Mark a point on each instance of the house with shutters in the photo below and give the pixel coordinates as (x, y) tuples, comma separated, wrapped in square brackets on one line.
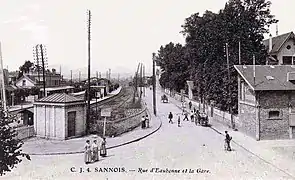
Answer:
[(281, 49), (266, 101)]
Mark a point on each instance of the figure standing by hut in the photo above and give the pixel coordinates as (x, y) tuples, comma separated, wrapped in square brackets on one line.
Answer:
[(103, 149), (147, 121), (95, 155), (87, 152)]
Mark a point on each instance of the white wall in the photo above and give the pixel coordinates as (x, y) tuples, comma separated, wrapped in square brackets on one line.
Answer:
[(286, 52), (49, 121), (29, 84)]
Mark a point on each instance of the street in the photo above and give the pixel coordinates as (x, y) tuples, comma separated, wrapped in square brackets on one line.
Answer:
[(186, 152)]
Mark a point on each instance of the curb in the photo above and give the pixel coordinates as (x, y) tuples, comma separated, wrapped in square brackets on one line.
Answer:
[(111, 147), (259, 157)]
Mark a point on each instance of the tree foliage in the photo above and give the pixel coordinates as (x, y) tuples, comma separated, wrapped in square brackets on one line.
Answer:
[(10, 147), (203, 58)]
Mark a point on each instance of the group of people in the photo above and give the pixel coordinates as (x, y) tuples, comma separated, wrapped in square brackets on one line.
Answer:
[(91, 152), (145, 122)]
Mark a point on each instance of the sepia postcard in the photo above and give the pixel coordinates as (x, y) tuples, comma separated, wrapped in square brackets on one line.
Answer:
[(147, 90)]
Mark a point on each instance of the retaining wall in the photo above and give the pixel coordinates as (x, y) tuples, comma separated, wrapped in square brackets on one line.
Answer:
[(120, 126)]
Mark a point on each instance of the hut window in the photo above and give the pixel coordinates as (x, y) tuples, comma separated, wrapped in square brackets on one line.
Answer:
[(273, 114)]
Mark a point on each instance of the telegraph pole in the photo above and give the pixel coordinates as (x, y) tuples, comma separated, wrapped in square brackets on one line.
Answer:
[(3, 97), (88, 94), (79, 76), (229, 89), (143, 80), (43, 68), (99, 74), (71, 77), (154, 85), (109, 74), (38, 66)]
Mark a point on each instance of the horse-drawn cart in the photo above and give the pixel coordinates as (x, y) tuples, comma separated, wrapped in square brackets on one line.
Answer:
[(164, 99)]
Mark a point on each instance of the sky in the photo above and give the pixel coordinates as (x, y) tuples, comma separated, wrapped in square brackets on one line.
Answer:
[(124, 32)]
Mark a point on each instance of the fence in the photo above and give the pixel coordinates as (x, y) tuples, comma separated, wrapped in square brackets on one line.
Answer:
[(216, 114), (24, 132)]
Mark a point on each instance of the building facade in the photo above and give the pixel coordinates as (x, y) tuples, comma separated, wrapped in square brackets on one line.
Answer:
[(281, 49), (267, 102), (30, 80)]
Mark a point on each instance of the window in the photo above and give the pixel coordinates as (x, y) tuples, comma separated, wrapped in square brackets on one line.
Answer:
[(288, 47), (24, 83), (287, 60), (273, 114)]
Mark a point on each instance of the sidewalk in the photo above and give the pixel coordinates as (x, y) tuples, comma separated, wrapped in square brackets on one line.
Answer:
[(278, 153), (39, 146)]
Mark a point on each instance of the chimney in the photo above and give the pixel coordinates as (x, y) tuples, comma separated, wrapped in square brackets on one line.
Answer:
[(53, 71), (270, 43)]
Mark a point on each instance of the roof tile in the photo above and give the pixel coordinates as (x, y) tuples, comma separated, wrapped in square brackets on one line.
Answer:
[(60, 98)]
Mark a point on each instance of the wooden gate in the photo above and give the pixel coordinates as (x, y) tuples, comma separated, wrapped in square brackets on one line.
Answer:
[(71, 123)]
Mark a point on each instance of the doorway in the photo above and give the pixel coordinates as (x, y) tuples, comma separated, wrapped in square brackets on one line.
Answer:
[(71, 123)]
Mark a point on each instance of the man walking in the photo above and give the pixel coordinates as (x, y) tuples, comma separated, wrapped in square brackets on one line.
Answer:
[(227, 140), (170, 117), (178, 120), (185, 116), (192, 116)]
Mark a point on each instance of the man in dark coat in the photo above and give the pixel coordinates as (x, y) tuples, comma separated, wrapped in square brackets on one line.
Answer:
[(170, 117), (227, 140)]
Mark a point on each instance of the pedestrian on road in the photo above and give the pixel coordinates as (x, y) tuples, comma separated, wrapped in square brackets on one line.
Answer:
[(195, 110), (183, 107), (87, 152), (95, 156), (178, 120), (192, 116), (190, 105), (147, 121), (143, 122), (185, 116), (170, 117), (228, 138), (103, 149)]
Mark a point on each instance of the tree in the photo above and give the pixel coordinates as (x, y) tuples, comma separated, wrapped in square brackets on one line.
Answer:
[(25, 68), (203, 59), (10, 147), (174, 66)]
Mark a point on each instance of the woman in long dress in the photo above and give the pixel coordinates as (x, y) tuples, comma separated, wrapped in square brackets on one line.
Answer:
[(103, 149), (95, 155), (87, 152)]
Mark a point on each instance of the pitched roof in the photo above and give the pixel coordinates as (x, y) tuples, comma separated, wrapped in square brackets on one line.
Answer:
[(267, 77), (277, 41), (27, 77), (60, 98)]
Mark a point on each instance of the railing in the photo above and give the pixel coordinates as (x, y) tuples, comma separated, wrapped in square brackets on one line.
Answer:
[(24, 132)]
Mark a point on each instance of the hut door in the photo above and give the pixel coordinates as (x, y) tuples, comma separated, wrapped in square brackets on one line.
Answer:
[(71, 123)]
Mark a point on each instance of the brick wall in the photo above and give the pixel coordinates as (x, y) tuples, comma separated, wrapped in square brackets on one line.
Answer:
[(25, 132), (277, 128)]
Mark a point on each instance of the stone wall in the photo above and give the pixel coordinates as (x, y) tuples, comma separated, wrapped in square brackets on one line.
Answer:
[(120, 126)]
